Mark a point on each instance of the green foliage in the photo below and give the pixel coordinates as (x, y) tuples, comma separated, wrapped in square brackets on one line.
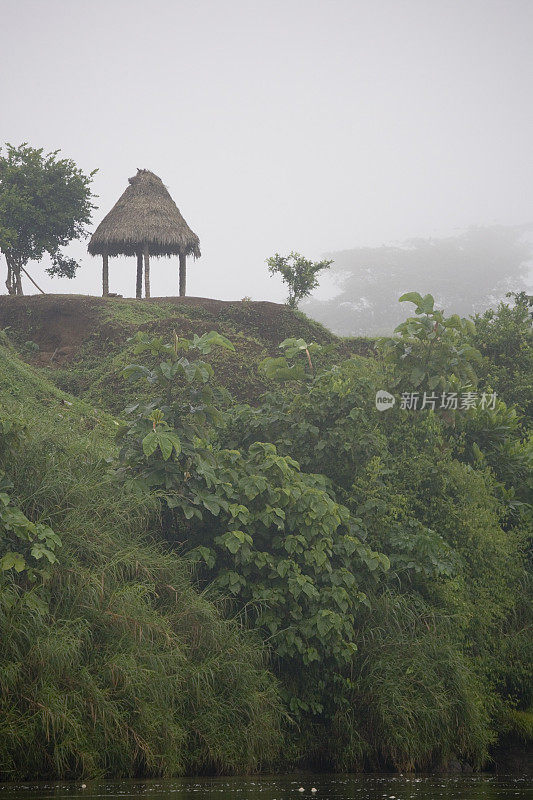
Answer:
[(431, 352), (381, 557), (36, 541), (171, 422), (446, 505), (497, 439), (505, 339), (299, 273), (305, 554), (415, 698), (273, 536), (25, 546), (281, 546), (45, 202), (281, 369)]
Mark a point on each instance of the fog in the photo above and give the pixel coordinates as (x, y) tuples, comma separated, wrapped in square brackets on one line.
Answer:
[(278, 126)]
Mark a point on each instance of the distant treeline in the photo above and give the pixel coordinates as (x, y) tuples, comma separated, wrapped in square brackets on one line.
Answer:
[(466, 273)]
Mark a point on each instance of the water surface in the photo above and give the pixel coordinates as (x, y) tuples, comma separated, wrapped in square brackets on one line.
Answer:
[(286, 787)]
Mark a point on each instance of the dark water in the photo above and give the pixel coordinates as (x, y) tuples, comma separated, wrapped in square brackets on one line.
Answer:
[(285, 787)]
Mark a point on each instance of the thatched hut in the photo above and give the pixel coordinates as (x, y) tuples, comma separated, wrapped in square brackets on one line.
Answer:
[(145, 221)]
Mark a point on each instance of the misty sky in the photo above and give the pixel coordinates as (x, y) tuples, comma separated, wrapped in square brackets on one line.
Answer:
[(278, 125)]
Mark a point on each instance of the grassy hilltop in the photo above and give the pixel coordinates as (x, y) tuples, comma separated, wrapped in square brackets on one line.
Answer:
[(82, 341)]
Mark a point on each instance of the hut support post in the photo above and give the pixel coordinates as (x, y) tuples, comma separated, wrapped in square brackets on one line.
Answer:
[(146, 271), (183, 274), (105, 275), (139, 285)]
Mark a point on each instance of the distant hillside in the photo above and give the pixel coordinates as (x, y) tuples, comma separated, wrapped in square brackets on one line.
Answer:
[(82, 342), (465, 273)]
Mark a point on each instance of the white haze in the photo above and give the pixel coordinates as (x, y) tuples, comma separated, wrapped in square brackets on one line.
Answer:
[(304, 125)]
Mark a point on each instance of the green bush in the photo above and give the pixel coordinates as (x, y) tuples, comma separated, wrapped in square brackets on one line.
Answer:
[(271, 536), (505, 338)]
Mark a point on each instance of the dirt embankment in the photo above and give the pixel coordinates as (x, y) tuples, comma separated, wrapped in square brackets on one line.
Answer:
[(53, 328)]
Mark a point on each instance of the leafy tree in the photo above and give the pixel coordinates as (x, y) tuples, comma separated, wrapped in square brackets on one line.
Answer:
[(45, 203), (299, 273)]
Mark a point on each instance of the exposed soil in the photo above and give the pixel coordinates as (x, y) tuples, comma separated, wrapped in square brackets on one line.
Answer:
[(53, 330), (82, 341), (59, 321), (51, 321)]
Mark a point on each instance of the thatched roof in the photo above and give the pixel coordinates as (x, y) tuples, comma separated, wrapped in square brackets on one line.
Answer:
[(144, 214)]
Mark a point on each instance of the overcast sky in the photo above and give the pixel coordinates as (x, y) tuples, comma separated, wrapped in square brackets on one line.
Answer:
[(278, 125)]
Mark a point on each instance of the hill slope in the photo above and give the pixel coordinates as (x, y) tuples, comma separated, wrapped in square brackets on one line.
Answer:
[(133, 671)]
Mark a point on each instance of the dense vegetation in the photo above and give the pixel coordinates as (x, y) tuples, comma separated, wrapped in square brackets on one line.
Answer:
[(291, 578)]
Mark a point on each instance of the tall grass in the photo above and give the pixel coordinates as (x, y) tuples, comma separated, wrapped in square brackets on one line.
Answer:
[(416, 700), (130, 671)]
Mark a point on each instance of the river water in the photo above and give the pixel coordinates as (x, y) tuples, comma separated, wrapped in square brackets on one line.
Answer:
[(286, 787)]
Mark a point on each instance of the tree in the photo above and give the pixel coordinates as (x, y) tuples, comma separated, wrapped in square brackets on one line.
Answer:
[(298, 273), (45, 203)]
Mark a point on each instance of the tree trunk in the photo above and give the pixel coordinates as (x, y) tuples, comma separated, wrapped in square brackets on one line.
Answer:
[(9, 280), (146, 271), (17, 279), (105, 275), (139, 284), (14, 280), (183, 274)]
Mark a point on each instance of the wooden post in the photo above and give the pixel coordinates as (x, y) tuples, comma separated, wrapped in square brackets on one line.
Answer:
[(27, 274), (105, 275), (146, 271), (139, 285), (183, 274)]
